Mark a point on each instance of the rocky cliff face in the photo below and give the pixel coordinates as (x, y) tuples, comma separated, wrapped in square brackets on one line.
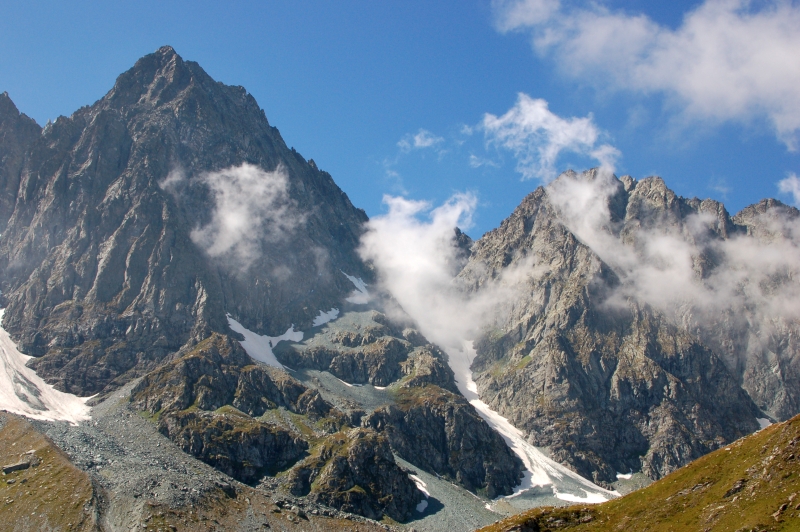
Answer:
[(17, 133), (440, 432), (119, 246), (366, 348), (428, 423), (611, 378), (356, 472)]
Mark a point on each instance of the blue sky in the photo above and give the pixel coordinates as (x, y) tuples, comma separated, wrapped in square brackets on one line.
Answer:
[(427, 99)]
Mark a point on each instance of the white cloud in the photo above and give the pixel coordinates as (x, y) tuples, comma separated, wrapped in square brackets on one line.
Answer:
[(791, 185), (422, 139), (728, 60), (250, 206), (417, 260), (538, 136), (511, 15), (414, 259), (752, 282), (477, 162)]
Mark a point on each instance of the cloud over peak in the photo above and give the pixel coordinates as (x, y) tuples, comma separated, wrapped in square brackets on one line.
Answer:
[(251, 206), (537, 136)]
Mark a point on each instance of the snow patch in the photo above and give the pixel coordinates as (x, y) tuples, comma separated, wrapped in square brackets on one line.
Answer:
[(325, 317), (23, 392), (421, 486), (259, 347), (591, 498), (348, 384), (763, 422), (624, 476), (540, 470), (359, 296)]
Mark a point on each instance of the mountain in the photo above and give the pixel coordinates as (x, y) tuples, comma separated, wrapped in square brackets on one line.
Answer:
[(752, 484), (134, 225), (649, 329), (164, 249), (168, 261)]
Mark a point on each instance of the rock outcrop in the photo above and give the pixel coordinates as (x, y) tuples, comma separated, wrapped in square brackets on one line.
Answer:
[(234, 443), (219, 406), (366, 348), (356, 472), (440, 432), (217, 372)]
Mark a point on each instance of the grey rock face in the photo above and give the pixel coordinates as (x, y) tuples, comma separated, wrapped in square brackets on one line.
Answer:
[(236, 445), (217, 372), (103, 264), (623, 386), (17, 133), (440, 432), (214, 403)]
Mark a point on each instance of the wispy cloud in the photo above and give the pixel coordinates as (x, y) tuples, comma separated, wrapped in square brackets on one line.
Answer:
[(477, 162), (720, 186), (791, 185), (420, 140), (728, 60), (537, 136), (251, 206)]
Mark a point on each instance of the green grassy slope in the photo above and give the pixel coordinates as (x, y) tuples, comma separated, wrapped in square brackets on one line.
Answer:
[(751, 485)]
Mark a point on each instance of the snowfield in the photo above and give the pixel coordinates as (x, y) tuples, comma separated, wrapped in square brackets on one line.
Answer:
[(360, 295), (23, 392)]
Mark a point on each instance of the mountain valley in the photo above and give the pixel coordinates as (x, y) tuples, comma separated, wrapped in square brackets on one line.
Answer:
[(218, 346)]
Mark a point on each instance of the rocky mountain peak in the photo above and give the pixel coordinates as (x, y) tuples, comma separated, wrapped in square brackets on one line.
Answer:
[(119, 211), (154, 78), (566, 349), (18, 132)]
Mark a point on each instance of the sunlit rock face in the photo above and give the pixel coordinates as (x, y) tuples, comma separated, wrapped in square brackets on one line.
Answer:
[(647, 329), (133, 226)]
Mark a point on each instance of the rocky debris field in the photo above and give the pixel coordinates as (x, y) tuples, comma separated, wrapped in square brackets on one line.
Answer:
[(144, 481)]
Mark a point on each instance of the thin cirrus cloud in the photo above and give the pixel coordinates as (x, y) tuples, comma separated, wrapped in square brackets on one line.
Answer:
[(729, 60), (537, 136), (422, 139)]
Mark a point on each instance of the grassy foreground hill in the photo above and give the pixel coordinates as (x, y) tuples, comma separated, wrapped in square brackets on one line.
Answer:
[(751, 485)]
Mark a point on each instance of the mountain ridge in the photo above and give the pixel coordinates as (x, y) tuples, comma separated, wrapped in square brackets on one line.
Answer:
[(564, 362)]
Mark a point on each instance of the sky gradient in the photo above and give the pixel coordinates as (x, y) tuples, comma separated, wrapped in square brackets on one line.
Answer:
[(429, 99)]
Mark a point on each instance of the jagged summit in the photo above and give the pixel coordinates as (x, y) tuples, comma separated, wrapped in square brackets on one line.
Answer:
[(646, 335), (117, 226)]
